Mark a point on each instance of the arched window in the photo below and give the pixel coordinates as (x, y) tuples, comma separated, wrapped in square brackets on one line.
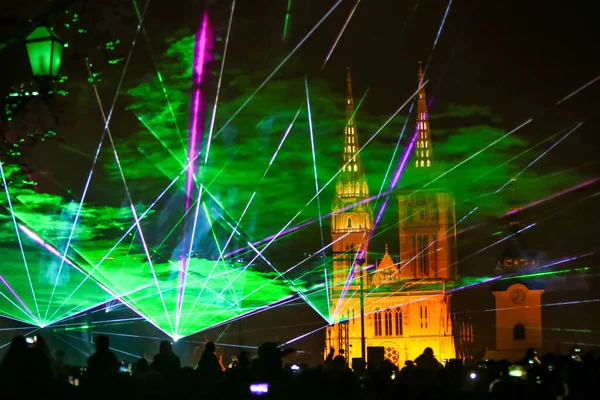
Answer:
[(377, 322), (398, 320), (355, 168), (519, 332), (349, 222), (427, 153), (424, 125), (425, 144), (428, 163), (387, 317), (422, 163), (348, 149), (418, 254), (425, 255), (417, 163)]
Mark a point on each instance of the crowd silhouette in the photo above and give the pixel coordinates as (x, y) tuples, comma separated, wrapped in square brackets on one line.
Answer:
[(29, 371)]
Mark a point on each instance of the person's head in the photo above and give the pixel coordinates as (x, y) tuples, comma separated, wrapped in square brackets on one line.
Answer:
[(141, 365), (531, 353), (102, 343), (428, 352), (209, 347), (244, 358), (18, 348), (165, 347)]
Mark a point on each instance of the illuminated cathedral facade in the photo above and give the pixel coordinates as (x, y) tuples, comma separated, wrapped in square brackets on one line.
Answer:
[(405, 304)]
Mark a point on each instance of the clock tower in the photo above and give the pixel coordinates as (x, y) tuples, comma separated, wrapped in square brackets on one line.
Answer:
[(518, 320), (518, 300)]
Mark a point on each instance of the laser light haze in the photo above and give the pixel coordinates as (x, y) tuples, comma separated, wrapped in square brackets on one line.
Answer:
[(202, 225)]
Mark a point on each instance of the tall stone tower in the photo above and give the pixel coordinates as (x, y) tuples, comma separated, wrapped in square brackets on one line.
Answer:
[(427, 217), (352, 218), (518, 302), (405, 303), (351, 225)]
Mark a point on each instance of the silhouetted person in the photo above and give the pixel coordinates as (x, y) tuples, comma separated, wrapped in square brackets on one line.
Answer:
[(103, 364), (427, 361), (40, 366), (339, 361), (209, 368), (244, 360), (269, 362), (167, 363), (14, 369), (61, 372), (329, 357)]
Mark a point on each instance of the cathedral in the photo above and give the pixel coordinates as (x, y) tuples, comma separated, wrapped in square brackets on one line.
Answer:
[(386, 309)]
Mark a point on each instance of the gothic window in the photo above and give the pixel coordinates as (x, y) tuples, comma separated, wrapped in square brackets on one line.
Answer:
[(349, 222), (519, 332), (425, 256), (421, 134), (435, 249), (427, 153), (398, 320), (353, 149), (422, 154), (387, 316), (424, 125), (348, 149), (425, 144), (377, 322), (417, 163), (355, 168), (423, 315), (422, 163), (428, 163), (419, 254)]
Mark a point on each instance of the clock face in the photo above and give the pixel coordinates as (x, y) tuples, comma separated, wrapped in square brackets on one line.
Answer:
[(518, 296)]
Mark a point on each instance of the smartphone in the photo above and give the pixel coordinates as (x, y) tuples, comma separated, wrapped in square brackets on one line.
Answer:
[(516, 371), (258, 389)]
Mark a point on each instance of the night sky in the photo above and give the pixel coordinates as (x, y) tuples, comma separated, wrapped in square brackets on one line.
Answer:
[(496, 65)]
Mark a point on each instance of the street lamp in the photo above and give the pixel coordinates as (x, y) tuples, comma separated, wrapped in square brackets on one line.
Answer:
[(45, 52)]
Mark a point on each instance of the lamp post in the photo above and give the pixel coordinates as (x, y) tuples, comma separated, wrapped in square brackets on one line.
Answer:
[(45, 51), (363, 341)]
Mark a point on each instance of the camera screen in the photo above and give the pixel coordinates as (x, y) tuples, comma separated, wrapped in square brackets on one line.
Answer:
[(259, 388)]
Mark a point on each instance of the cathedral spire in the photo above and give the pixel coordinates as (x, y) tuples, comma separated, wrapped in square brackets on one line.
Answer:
[(351, 146), (423, 148)]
